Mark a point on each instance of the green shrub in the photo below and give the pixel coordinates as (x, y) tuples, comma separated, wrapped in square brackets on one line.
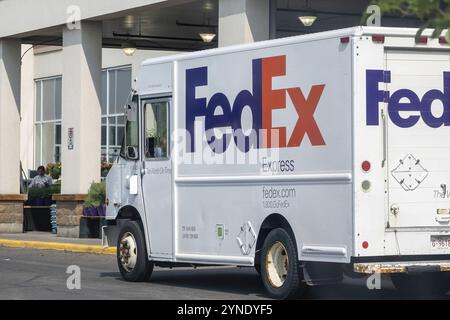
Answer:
[(54, 170), (96, 195), (35, 193)]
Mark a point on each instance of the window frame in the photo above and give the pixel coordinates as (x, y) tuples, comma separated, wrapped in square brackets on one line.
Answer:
[(145, 101), (40, 123), (123, 152), (107, 147)]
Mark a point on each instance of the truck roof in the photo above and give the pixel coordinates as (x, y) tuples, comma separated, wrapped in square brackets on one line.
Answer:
[(353, 31)]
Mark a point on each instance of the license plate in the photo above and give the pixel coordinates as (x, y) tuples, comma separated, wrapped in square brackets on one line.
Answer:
[(440, 242)]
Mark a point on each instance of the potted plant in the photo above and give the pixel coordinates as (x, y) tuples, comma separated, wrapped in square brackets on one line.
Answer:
[(43, 196), (54, 170), (90, 208), (35, 197), (95, 200)]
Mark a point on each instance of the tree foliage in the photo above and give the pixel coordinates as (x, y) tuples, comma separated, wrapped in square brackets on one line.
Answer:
[(435, 14)]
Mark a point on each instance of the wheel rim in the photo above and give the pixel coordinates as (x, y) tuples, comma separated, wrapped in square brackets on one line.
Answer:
[(128, 252), (277, 264)]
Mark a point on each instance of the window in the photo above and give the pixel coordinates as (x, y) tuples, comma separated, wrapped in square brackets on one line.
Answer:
[(130, 146), (116, 87), (48, 121), (156, 130)]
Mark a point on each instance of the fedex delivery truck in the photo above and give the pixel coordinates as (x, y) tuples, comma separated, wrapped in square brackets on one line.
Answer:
[(305, 157)]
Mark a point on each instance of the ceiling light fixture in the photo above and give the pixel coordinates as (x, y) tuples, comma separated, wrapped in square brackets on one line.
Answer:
[(207, 36), (210, 32), (208, 5), (308, 17), (129, 48), (307, 20)]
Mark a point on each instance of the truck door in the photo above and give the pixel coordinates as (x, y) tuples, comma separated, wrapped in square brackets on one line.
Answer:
[(157, 176), (418, 148)]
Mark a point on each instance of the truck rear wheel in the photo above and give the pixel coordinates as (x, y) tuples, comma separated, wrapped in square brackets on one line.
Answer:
[(132, 257), (280, 269), (422, 284)]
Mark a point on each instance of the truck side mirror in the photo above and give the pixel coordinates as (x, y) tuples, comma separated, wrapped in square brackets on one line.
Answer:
[(132, 153), (131, 108)]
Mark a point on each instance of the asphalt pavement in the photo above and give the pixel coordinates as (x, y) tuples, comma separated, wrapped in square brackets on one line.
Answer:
[(38, 274)]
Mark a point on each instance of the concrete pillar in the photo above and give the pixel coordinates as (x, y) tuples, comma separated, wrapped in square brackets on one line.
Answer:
[(243, 21), (11, 202), (10, 50), (27, 109), (81, 122), (81, 110)]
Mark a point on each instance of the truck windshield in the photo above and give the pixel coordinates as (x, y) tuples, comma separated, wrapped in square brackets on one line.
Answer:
[(130, 139)]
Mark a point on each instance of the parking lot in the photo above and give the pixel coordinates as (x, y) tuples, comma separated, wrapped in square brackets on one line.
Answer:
[(36, 274)]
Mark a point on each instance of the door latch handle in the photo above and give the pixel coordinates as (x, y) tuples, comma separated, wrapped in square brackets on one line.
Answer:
[(383, 119)]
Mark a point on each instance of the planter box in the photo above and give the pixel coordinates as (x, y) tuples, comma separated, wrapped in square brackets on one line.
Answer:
[(91, 227)]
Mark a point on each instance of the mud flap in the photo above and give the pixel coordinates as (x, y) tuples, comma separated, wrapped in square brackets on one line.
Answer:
[(322, 273), (110, 235)]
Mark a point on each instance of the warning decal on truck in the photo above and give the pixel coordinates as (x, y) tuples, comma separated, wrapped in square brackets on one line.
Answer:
[(409, 173)]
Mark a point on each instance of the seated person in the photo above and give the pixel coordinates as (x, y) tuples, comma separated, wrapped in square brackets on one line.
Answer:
[(41, 180), (154, 149), (161, 150)]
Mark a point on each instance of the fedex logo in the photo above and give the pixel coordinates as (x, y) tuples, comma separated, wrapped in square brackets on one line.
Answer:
[(405, 100), (262, 101)]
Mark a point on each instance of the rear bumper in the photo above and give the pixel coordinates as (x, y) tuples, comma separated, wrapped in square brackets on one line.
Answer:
[(402, 267)]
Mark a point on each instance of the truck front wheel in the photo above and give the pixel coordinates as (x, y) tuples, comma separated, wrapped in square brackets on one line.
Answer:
[(132, 257), (280, 269)]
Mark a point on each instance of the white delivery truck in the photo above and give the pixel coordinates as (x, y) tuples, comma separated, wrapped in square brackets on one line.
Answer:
[(305, 157)]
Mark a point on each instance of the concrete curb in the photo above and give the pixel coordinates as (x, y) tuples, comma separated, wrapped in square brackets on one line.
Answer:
[(68, 247)]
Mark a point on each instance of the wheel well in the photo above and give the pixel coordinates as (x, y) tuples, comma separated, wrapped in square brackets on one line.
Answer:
[(132, 214), (129, 213), (271, 222)]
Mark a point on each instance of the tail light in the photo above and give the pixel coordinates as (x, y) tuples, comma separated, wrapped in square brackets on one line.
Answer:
[(365, 166)]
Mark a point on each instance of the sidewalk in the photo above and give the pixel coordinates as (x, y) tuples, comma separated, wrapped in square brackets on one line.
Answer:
[(48, 241)]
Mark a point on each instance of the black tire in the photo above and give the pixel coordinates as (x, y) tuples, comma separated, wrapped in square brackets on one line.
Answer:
[(258, 268), (142, 268), (290, 284), (422, 285)]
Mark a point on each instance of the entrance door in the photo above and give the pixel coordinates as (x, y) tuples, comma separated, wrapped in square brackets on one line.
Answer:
[(157, 176), (419, 153)]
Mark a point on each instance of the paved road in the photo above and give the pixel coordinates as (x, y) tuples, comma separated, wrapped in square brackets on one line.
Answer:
[(34, 274)]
